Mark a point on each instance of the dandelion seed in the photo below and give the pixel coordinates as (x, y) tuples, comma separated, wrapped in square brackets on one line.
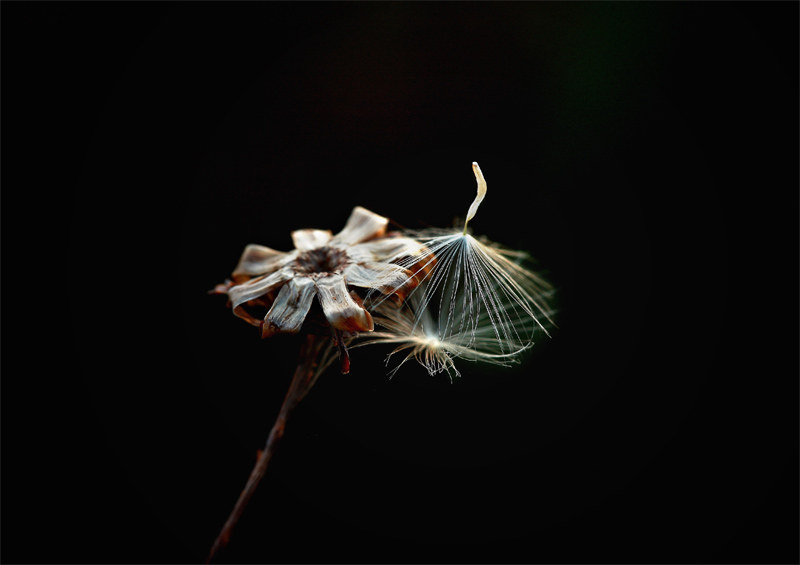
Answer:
[(478, 299), (412, 329)]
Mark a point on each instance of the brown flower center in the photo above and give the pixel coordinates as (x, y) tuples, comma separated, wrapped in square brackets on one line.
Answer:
[(321, 261)]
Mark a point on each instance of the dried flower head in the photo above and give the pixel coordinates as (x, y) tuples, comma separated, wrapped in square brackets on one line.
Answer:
[(324, 266)]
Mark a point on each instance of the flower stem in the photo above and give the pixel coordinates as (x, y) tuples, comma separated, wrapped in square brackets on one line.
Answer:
[(302, 380)]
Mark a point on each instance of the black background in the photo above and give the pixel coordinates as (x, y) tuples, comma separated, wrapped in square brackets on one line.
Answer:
[(647, 156)]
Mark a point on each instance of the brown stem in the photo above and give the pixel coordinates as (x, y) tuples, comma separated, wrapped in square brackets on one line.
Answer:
[(344, 357), (309, 355)]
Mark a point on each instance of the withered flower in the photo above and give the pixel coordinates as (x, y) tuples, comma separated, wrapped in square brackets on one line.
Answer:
[(330, 267), (468, 299), (325, 266)]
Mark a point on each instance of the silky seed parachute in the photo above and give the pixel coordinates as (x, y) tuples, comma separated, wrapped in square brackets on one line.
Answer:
[(435, 296), (472, 299)]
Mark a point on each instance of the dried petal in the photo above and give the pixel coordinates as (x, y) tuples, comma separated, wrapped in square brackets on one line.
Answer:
[(305, 240), (290, 307), (386, 249), (361, 226), (384, 277), (342, 312), (254, 288), (260, 260)]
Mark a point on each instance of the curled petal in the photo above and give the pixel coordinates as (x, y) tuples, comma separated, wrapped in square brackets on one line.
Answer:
[(260, 260), (384, 277), (290, 307), (386, 249), (361, 226), (305, 240), (342, 312), (255, 288)]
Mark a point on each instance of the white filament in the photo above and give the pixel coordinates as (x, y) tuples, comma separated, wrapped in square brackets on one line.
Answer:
[(475, 303), (475, 300)]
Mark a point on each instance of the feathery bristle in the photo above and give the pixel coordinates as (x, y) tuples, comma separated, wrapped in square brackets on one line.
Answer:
[(475, 300)]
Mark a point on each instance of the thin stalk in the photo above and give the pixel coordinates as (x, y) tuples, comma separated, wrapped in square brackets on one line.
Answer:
[(479, 198), (301, 381)]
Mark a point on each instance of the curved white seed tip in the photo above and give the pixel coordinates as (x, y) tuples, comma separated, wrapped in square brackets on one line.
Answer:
[(481, 194)]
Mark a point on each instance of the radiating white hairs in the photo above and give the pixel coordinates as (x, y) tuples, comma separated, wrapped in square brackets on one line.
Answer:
[(475, 300)]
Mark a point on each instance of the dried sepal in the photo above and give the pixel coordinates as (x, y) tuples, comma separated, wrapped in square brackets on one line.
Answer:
[(290, 307), (259, 260), (386, 278), (362, 225), (340, 309), (305, 240), (241, 294), (385, 249)]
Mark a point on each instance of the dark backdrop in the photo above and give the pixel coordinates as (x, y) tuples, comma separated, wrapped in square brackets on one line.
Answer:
[(646, 154)]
